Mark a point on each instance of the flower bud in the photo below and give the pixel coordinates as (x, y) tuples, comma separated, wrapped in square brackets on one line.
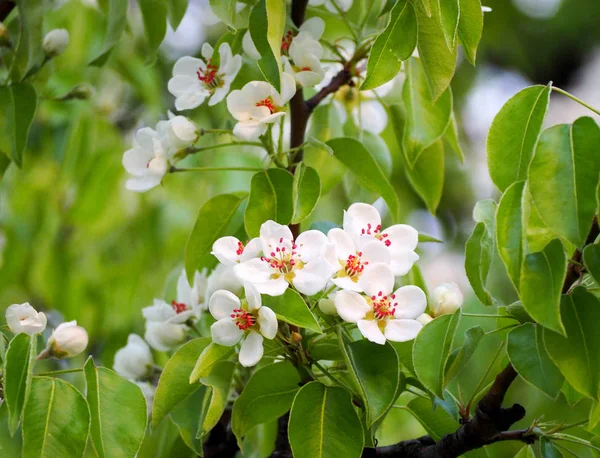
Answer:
[(164, 336), (424, 319), (67, 340), (55, 42), (327, 306), (182, 132), (24, 318), (446, 298), (133, 361)]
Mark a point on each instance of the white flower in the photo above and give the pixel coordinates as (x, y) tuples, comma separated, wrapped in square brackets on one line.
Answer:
[(301, 57), (284, 261), (249, 47), (191, 297), (371, 116), (424, 319), (178, 131), (383, 314), (446, 298), (343, 5), (133, 361), (246, 319), (23, 318), (148, 160), (195, 79), (148, 390), (363, 223), (223, 277), (258, 104), (230, 251), (165, 328), (67, 340), (55, 42)]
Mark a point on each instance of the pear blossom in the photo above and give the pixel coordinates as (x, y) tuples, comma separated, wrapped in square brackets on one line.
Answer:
[(446, 298), (246, 320), (327, 305), (67, 340), (133, 361), (258, 104), (286, 261), (55, 42), (191, 297), (165, 328), (23, 318), (147, 161), (178, 131), (223, 277), (383, 314), (230, 251), (363, 223), (194, 80), (343, 5)]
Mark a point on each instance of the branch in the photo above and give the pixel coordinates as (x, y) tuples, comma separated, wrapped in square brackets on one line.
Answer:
[(5, 8), (342, 78), (574, 271)]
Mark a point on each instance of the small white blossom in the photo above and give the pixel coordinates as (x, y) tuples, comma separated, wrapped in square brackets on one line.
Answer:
[(247, 320), (55, 42), (23, 318), (67, 340), (382, 314), (223, 277), (327, 305), (191, 297), (302, 53), (285, 261), (257, 105), (133, 361), (230, 251), (446, 298), (194, 80), (165, 328)]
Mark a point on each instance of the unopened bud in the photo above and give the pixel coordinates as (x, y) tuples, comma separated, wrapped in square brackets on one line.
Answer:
[(296, 337), (424, 319), (327, 306), (67, 340), (55, 42), (446, 298)]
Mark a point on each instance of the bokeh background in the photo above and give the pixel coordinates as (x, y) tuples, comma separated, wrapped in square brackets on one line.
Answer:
[(75, 243)]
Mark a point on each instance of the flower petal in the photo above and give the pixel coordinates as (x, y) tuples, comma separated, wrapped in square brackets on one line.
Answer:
[(374, 252), (187, 65), (402, 330), (347, 283), (273, 287), (273, 235), (252, 249), (254, 271), (351, 306), (358, 217), (225, 248), (249, 47), (249, 130), (313, 277), (268, 322), (190, 100), (315, 26), (371, 116), (226, 332), (181, 84), (252, 297), (184, 291), (377, 278), (411, 302), (344, 246), (142, 184), (402, 237), (402, 261), (310, 245), (252, 350), (370, 329), (222, 303)]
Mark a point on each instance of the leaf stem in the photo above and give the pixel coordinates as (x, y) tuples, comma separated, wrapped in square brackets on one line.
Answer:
[(576, 99), (62, 371)]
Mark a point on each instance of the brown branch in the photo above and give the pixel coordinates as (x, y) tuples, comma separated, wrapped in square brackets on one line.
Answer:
[(5, 9), (574, 271), (342, 78)]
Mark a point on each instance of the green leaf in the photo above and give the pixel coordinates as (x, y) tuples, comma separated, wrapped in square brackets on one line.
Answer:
[(436, 422), (188, 416), (219, 383), (514, 134), (29, 47), (578, 355), (270, 199), (451, 137), (291, 308), (260, 441), (591, 259), (118, 412), (225, 10), (56, 420), (18, 370), (219, 216), (154, 15), (479, 250), (376, 370), (267, 23), (365, 168), (176, 10), (115, 25), (432, 349), (541, 282), (563, 177), (461, 356), (268, 394), (404, 351), (548, 449), (426, 120), (208, 359), (18, 103), (4, 164), (510, 231), (392, 46), (449, 18), (324, 424), (525, 452), (305, 192), (9, 445), (528, 355), (425, 238), (427, 175), (174, 383), (470, 27)]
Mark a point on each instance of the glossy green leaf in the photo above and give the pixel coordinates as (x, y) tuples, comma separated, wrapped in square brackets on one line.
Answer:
[(9, 445), (306, 191), (479, 250), (176, 10), (56, 420), (18, 370), (324, 424), (591, 259), (426, 120), (219, 216), (578, 355), (404, 351), (154, 15), (451, 138), (219, 383), (114, 435), (392, 46), (525, 452), (432, 349), (427, 175), (320, 157), (528, 355), (268, 394), (260, 441), (461, 356), (470, 27), (209, 358), (174, 383), (267, 22), (563, 177), (449, 18), (365, 168), (270, 199), (291, 308), (18, 103), (4, 164), (549, 450), (188, 415), (436, 422), (542, 278), (115, 26), (510, 231), (29, 47), (509, 156), (225, 10)]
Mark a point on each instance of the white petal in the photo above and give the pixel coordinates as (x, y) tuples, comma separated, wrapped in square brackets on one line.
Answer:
[(225, 248), (411, 302), (347, 283), (164, 336), (249, 130), (273, 235), (315, 26), (254, 271), (190, 100), (269, 118), (402, 330), (358, 217), (184, 130), (252, 350), (374, 252), (252, 296), (308, 78), (207, 50), (377, 278), (141, 184), (288, 88), (310, 245), (313, 277), (136, 161), (181, 84), (402, 237), (222, 303), (371, 116), (370, 329), (184, 291), (252, 249), (239, 105), (268, 322), (273, 287), (249, 47), (351, 306), (225, 332), (344, 246), (188, 66), (402, 261), (218, 95)]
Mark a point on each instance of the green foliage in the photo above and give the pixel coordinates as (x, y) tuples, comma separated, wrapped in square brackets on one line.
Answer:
[(224, 10), (28, 52), (460, 357), (154, 14), (210, 356), (268, 16), (291, 308), (470, 27), (18, 370), (176, 10), (306, 192), (591, 258), (427, 175), (510, 231), (19, 103), (115, 25)]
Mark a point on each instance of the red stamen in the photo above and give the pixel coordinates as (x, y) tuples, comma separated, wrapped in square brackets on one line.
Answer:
[(268, 102), (383, 307), (179, 307), (240, 249), (209, 76), (243, 319)]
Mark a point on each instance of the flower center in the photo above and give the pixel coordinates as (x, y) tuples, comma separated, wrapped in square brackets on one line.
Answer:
[(243, 319), (353, 266), (210, 76), (283, 261), (376, 233), (240, 249), (383, 307), (268, 102), (179, 307)]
